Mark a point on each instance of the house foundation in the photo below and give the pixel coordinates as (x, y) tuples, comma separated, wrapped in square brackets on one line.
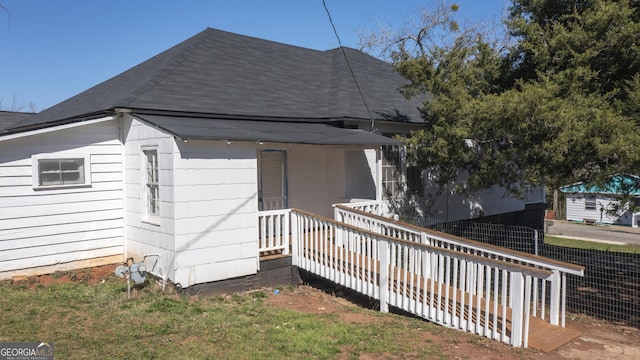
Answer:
[(273, 273)]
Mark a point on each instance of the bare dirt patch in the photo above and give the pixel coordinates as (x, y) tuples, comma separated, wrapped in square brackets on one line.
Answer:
[(89, 276), (599, 339)]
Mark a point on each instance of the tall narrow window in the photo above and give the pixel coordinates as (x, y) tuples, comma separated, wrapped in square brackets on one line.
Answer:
[(391, 171), (152, 185)]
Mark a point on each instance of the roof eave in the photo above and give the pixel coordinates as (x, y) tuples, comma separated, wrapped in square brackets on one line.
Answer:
[(54, 127)]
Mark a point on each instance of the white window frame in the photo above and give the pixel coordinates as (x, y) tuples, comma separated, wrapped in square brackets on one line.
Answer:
[(150, 214), (35, 168), (392, 171)]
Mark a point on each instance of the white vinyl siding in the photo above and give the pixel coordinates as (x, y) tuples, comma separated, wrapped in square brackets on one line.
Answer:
[(59, 227), (359, 175), (146, 235), (316, 178), (580, 207), (451, 206), (216, 204)]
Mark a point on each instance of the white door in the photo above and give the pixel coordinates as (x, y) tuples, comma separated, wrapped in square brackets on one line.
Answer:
[(272, 180)]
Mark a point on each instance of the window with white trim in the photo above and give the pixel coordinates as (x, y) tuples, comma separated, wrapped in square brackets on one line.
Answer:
[(391, 171), (52, 171), (151, 184)]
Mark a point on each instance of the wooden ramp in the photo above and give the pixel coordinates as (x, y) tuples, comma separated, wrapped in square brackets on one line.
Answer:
[(542, 334)]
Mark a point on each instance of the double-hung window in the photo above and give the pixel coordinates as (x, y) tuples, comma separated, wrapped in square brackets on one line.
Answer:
[(391, 171), (151, 184)]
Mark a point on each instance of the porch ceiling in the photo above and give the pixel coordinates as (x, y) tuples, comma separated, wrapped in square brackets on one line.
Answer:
[(198, 128)]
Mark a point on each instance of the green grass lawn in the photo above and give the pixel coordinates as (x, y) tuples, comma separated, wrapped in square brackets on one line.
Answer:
[(581, 244), (99, 322)]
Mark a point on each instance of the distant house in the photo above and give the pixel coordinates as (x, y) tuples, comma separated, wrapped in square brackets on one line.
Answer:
[(600, 205), (175, 158)]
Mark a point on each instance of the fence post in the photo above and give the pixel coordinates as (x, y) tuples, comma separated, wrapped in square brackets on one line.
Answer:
[(383, 250), (517, 313)]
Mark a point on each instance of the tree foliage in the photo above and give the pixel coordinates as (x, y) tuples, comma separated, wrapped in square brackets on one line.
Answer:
[(559, 104)]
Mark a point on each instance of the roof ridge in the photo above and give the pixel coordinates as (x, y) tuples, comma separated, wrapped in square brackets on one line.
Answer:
[(195, 42)]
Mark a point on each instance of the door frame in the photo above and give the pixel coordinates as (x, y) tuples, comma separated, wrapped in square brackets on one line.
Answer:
[(284, 180)]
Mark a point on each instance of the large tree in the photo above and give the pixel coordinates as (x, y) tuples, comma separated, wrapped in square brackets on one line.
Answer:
[(560, 104)]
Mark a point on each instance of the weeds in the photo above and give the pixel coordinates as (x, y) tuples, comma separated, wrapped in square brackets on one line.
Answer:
[(100, 321)]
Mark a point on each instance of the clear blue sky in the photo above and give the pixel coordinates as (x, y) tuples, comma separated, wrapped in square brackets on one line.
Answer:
[(52, 50)]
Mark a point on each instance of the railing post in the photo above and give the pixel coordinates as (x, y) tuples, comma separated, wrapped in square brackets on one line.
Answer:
[(286, 232), (555, 295), (527, 311), (294, 239), (383, 251), (517, 314), (564, 299), (424, 239)]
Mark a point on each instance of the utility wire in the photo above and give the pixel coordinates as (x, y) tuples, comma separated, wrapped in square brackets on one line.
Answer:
[(353, 75)]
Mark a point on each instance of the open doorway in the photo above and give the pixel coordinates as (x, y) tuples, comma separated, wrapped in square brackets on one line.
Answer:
[(272, 180)]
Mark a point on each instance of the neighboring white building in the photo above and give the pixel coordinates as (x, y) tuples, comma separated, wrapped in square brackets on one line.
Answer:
[(600, 205)]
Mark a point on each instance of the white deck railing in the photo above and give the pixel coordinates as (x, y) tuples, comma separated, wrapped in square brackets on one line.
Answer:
[(555, 284), (273, 230), (461, 290), (376, 207), (452, 281)]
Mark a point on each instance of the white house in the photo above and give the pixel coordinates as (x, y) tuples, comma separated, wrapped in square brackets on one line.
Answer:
[(173, 159), (600, 204)]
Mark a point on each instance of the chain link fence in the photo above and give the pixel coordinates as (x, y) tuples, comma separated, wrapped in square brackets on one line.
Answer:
[(610, 288)]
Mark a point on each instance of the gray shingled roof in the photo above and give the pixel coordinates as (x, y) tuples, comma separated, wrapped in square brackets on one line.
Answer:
[(225, 74), (8, 118)]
